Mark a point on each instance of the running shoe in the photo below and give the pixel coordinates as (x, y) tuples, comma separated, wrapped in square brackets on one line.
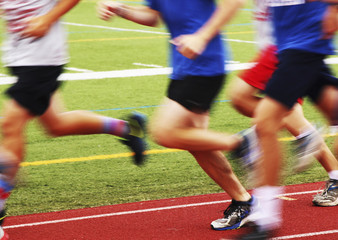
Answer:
[(136, 137), (329, 196), (249, 153), (306, 149), (255, 233), (3, 234), (235, 216)]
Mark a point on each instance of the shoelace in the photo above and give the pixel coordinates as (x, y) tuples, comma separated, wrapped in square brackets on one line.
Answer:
[(234, 209), (328, 185)]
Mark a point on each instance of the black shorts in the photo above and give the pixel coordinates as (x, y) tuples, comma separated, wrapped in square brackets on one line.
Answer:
[(299, 74), (35, 86), (196, 93)]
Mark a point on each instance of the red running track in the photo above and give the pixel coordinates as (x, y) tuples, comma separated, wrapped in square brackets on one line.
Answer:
[(178, 218)]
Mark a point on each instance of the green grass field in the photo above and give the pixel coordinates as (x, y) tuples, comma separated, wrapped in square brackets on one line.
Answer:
[(87, 171)]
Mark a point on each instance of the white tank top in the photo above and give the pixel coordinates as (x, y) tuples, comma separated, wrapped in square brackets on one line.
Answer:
[(264, 31), (50, 49)]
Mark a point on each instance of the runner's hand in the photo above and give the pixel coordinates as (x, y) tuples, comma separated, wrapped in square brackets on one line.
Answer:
[(108, 9), (190, 46)]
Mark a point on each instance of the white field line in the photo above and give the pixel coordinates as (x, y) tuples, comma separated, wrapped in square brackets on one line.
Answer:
[(116, 29), (148, 65), (237, 40), (78, 69), (136, 72), (137, 211), (123, 73)]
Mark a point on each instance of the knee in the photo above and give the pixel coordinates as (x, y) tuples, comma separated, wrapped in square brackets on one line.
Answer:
[(53, 130), (237, 98), (161, 135), (265, 126), (13, 123)]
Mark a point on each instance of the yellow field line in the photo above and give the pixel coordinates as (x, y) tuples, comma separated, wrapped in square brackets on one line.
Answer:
[(97, 157), (121, 155)]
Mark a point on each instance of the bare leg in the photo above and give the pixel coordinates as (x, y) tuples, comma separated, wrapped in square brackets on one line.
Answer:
[(244, 100), (295, 122), (61, 123), (13, 125), (243, 97), (174, 127), (172, 119), (269, 115), (215, 164)]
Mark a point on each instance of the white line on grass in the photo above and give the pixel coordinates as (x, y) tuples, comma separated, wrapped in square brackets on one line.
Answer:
[(116, 29), (78, 69), (237, 40), (136, 72), (148, 65), (137, 211)]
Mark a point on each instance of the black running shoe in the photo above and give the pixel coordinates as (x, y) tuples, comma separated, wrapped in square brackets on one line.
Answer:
[(136, 137)]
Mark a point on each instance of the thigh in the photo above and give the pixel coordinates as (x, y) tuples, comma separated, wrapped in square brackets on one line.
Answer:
[(173, 115)]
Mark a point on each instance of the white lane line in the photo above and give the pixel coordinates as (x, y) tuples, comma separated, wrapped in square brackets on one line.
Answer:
[(304, 235), (136, 211)]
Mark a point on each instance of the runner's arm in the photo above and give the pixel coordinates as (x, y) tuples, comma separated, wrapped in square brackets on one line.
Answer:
[(38, 26), (139, 14), (192, 45)]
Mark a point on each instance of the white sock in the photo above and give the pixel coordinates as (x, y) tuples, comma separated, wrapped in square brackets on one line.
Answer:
[(270, 207), (305, 133), (333, 174), (333, 129)]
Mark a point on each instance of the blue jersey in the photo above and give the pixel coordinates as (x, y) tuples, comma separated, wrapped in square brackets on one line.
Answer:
[(298, 25), (186, 17)]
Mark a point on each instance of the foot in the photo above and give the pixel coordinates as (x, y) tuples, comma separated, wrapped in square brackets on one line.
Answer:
[(3, 234), (306, 149), (255, 233), (249, 153), (136, 137), (329, 196), (236, 215)]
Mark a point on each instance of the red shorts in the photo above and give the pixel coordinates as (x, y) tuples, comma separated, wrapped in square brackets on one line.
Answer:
[(259, 75)]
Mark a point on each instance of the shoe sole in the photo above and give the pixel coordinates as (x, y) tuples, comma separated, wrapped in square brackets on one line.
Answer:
[(331, 204), (233, 227)]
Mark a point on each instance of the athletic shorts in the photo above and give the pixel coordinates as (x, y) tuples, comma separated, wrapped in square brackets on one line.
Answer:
[(196, 93), (299, 74), (35, 86), (259, 75), (266, 63)]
